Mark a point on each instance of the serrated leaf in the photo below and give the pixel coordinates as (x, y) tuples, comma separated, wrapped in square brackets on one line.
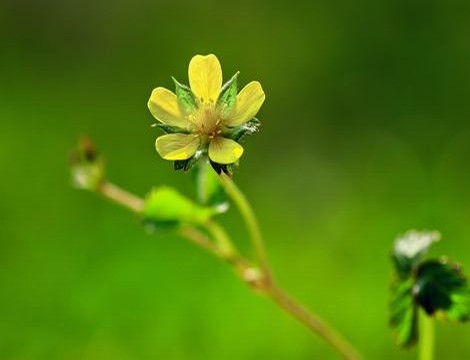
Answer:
[(410, 249), (460, 308), (208, 188), (186, 99), (169, 129), (228, 94), (403, 313), (442, 286), (165, 206), (240, 132)]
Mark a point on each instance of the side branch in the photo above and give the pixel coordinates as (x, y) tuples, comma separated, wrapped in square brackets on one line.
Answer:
[(121, 196)]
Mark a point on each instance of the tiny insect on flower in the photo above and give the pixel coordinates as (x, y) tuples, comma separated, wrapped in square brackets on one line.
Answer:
[(205, 118)]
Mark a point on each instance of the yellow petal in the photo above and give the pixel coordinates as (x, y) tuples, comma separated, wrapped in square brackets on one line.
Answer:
[(205, 77), (177, 146), (248, 103), (164, 107), (224, 151)]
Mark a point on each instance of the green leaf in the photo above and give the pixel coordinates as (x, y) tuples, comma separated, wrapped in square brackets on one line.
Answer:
[(186, 99), (228, 94), (209, 190), (460, 308), (165, 206), (403, 313), (240, 132), (410, 249), (442, 286), (169, 129)]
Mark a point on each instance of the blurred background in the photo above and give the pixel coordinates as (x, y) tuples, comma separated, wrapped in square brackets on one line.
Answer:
[(365, 134)]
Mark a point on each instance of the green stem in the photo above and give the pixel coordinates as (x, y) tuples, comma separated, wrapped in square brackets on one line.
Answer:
[(259, 281), (426, 338), (121, 196), (269, 288), (249, 217), (312, 321), (222, 240), (200, 239)]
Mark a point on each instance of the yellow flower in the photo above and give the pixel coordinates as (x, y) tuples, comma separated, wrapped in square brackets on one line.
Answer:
[(204, 118)]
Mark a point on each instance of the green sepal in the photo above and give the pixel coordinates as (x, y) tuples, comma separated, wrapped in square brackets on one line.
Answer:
[(228, 94), (208, 188), (186, 165), (442, 287), (186, 99), (240, 132), (170, 129), (223, 168), (403, 313), (165, 207)]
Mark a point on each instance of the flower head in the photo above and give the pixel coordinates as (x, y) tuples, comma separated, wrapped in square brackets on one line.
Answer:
[(415, 243), (87, 165), (205, 118), (410, 249)]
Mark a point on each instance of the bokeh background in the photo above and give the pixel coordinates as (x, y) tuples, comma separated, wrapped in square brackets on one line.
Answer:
[(365, 135)]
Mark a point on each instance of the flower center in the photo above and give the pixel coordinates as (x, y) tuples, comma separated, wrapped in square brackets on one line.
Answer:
[(207, 122)]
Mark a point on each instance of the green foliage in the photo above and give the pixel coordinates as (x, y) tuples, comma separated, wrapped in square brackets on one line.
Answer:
[(186, 99), (436, 286), (403, 313), (165, 206), (441, 286), (240, 132), (228, 94), (208, 188)]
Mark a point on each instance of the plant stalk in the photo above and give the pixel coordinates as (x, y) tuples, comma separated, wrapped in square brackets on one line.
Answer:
[(426, 338), (258, 280), (121, 196), (312, 321), (250, 219)]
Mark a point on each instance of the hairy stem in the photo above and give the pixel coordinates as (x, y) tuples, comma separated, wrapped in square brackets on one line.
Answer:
[(201, 240), (426, 339), (121, 196), (314, 322), (223, 242), (249, 217), (258, 280)]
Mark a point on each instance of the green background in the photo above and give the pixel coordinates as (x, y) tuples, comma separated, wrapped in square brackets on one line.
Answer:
[(365, 134)]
